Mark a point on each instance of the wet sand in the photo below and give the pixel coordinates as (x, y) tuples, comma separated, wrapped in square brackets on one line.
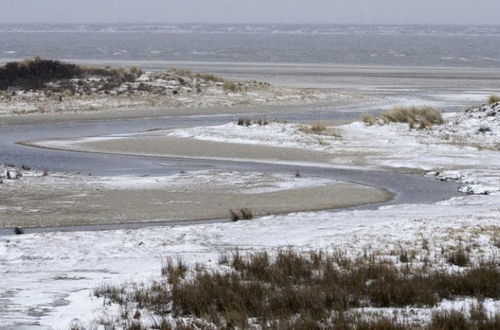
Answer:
[(54, 205), (41, 205), (185, 147)]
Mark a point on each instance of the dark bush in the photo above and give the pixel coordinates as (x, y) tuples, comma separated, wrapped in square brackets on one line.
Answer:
[(18, 231), (33, 74)]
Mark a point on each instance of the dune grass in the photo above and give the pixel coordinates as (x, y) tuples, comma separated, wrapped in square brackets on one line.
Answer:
[(493, 99), (424, 117), (369, 119), (415, 117), (314, 290)]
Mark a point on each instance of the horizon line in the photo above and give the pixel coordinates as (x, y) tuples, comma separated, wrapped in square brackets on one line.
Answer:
[(244, 23)]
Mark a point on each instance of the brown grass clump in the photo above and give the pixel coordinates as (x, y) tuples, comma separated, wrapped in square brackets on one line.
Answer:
[(241, 214), (315, 290), (454, 320), (458, 258), (368, 119), (493, 99), (319, 129), (424, 117)]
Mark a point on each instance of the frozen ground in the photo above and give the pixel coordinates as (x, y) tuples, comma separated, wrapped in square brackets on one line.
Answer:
[(47, 279)]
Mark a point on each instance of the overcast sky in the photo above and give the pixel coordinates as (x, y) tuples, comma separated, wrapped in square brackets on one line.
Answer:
[(252, 11)]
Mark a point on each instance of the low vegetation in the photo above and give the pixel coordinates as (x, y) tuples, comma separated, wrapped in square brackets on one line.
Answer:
[(188, 73), (415, 117), (298, 290), (53, 77), (424, 117), (232, 87), (241, 214), (319, 129), (36, 73), (249, 122), (493, 99), (369, 119), (458, 257), (18, 231)]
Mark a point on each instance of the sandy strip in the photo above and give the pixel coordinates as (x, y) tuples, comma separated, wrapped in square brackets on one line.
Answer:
[(70, 202), (160, 146)]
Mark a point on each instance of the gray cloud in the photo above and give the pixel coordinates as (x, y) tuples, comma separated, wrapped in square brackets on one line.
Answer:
[(252, 11)]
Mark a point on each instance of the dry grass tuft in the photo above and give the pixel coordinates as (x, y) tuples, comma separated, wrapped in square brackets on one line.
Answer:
[(424, 117), (241, 214), (415, 117), (319, 129), (493, 99), (369, 119), (459, 258)]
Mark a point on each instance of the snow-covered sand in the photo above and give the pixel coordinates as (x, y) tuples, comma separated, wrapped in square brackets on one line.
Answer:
[(467, 139), (161, 91), (47, 279)]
